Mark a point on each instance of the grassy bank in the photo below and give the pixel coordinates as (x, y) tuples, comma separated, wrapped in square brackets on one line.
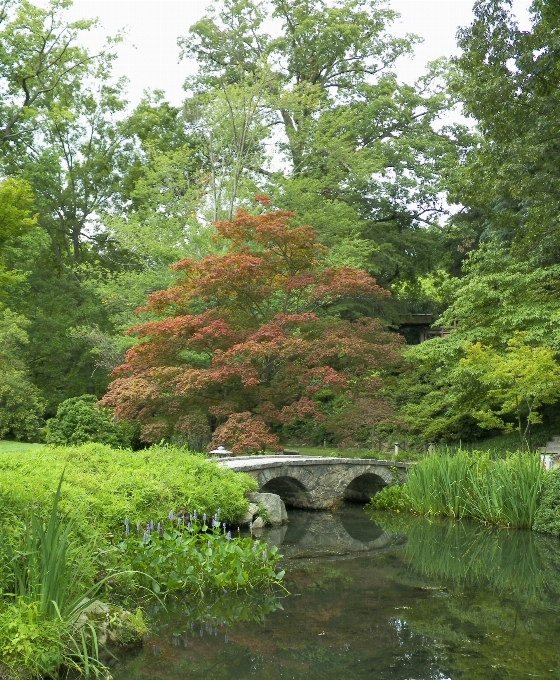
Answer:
[(75, 563)]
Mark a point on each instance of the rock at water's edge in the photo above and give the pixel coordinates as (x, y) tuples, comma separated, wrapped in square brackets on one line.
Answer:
[(274, 505)]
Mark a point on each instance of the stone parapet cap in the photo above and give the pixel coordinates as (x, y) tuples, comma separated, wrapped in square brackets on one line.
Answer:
[(256, 462)]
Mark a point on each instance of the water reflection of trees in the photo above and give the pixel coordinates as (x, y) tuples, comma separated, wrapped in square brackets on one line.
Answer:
[(491, 597), (465, 553)]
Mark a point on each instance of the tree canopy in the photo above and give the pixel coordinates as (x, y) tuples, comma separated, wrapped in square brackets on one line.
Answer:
[(258, 334), (106, 208)]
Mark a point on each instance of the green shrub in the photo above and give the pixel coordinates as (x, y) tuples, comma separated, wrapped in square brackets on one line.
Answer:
[(394, 498), (31, 644), (78, 421), (547, 517), (105, 485)]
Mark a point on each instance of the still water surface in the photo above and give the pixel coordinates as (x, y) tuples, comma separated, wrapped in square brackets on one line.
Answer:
[(396, 598)]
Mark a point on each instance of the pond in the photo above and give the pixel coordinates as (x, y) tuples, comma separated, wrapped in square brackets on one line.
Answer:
[(396, 598)]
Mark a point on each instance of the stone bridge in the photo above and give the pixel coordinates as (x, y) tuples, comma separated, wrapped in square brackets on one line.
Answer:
[(317, 483)]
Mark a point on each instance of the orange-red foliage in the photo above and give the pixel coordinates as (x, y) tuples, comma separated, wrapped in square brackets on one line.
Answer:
[(265, 352)]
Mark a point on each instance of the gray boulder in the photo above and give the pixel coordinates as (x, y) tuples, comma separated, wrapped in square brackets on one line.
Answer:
[(274, 505)]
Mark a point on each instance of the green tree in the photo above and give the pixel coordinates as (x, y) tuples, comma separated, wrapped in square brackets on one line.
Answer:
[(21, 405), (16, 220), (39, 59), (507, 78), (518, 382), (357, 152), (78, 421), (497, 296)]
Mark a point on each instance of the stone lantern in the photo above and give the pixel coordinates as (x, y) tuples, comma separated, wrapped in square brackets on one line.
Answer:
[(220, 452)]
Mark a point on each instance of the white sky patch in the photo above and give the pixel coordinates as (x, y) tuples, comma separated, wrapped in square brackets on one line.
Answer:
[(150, 56)]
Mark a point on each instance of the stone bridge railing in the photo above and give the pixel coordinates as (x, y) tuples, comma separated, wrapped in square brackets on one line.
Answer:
[(317, 483)]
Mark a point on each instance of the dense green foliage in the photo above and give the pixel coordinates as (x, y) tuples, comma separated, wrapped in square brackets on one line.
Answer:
[(393, 498), (63, 558), (46, 593), (189, 556), (106, 485), (77, 421), (547, 517), (299, 102)]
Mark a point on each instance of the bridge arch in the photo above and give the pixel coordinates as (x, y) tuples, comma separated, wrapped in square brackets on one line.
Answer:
[(317, 483), (290, 489), (364, 486)]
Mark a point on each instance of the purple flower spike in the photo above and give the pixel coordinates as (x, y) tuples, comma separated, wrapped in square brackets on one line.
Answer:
[(127, 529), (219, 511), (138, 527), (204, 517), (146, 536), (159, 528), (228, 535), (195, 514), (151, 525), (189, 527), (224, 527), (126, 521)]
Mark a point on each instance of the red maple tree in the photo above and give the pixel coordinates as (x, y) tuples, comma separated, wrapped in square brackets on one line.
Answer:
[(250, 344)]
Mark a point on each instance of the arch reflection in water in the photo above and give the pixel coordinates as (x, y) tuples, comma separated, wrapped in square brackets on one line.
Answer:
[(310, 534)]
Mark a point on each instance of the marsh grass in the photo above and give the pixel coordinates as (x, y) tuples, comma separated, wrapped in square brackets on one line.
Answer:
[(504, 492), (44, 595)]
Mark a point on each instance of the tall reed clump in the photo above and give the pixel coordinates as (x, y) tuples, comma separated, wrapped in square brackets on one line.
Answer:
[(44, 594), (503, 492)]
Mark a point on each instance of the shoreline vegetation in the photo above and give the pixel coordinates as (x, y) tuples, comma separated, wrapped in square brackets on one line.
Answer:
[(92, 534), (511, 492)]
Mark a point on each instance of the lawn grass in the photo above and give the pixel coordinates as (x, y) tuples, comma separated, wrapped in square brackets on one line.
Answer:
[(7, 446), (507, 443)]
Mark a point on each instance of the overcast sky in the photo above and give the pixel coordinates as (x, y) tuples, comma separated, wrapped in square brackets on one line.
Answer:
[(149, 57)]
